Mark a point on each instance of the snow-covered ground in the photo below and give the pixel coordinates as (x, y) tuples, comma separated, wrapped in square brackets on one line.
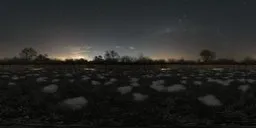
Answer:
[(75, 89)]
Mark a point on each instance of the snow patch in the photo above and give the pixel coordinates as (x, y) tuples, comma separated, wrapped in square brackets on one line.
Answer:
[(11, 84), (176, 88), (15, 78), (111, 81), (75, 103), (251, 81), (210, 100), (244, 88), (183, 82), (217, 69), (71, 80), (68, 75), (95, 82), (89, 69), (125, 89), (50, 88), (134, 79), (139, 96), (41, 79), (222, 82), (184, 77), (55, 80), (100, 76), (134, 82), (158, 85), (36, 74), (165, 69), (22, 77), (4, 76), (197, 82), (37, 69), (85, 78), (241, 80)]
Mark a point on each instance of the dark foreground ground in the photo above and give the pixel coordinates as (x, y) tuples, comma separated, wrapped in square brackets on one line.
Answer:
[(128, 96)]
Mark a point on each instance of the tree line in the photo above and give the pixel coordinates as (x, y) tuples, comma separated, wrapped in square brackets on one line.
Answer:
[(31, 56)]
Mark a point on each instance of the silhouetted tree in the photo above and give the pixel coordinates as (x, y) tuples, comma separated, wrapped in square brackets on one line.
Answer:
[(207, 55), (249, 60), (56, 61), (127, 59), (160, 61), (111, 56), (144, 59), (171, 61), (28, 54), (225, 61), (98, 59), (81, 61), (42, 58), (69, 61), (14, 60), (181, 61)]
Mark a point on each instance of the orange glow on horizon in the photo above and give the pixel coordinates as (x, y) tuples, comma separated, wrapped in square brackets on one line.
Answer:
[(166, 57), (71, 57)]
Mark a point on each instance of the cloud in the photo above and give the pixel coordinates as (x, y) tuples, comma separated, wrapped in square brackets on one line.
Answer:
[(84, 52), (88, 48), (85, 48), (118, 47), (81, 51), (131, 48)]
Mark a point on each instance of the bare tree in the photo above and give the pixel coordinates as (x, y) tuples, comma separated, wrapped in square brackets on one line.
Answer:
[(42, 57), (248, 60), (207, 55), (127, 59), (98, 59), (144, 59), (111, 55), (160, 61), (28, 54)]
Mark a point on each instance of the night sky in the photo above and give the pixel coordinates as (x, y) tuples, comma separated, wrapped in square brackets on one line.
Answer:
[(156, 28)]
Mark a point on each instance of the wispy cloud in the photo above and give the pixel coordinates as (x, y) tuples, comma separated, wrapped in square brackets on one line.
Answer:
[(89, 47), (81, 50), (86, 48), (131, 48), (118, 47)]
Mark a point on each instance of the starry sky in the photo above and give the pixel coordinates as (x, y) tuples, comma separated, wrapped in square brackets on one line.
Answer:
[(156, 28)]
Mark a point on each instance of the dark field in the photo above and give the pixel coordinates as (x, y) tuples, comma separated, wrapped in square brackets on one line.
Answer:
[(128, 95)]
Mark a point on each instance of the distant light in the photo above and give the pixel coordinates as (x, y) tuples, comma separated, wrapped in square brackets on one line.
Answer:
[(71, 57), (78, 57)]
